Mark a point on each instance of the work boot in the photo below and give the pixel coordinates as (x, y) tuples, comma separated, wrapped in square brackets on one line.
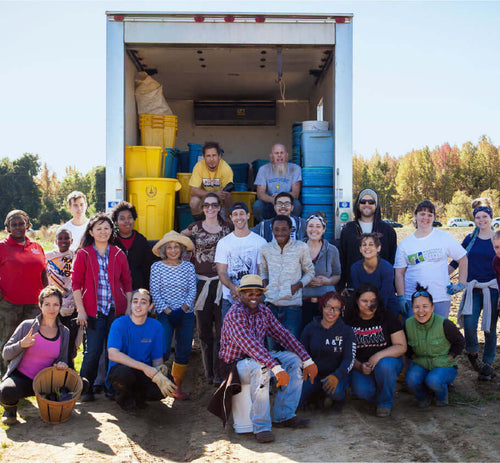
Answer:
[(486, 372), (474, 361), (178, 372), (9, 416), (264, 437)]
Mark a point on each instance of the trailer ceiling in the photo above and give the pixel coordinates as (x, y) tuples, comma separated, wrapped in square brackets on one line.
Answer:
[(237, 72)]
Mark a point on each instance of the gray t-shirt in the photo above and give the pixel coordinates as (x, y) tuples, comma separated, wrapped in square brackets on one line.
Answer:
[(278, 184)]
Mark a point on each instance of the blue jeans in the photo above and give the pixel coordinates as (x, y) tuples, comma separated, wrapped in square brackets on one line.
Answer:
[(421, 381), (96, 333), (471, 323), (290, 317), (262, 210), (183, 337), (287, 397), (309, 389), (225, 306), (378, 386)]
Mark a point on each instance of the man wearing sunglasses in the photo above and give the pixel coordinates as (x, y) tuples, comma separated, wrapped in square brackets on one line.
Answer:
[(367, 219)]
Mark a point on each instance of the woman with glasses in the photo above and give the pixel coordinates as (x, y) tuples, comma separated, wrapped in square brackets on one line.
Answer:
[(423, 257), (331, 345), (325, 258), (205, 234)]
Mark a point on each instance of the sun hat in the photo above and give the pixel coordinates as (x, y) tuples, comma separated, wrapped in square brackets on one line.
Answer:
[(172, 236), (251, 282)]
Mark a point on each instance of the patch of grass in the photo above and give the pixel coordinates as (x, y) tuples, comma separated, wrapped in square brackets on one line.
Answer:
[(458, 398), (4, 445)]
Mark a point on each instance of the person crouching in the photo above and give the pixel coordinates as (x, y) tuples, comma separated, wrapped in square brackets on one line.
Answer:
[(242, 341)]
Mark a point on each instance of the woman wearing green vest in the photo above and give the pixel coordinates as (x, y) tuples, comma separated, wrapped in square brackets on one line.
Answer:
[(433, 344)]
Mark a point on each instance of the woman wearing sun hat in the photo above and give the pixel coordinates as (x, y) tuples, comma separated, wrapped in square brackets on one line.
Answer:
[(173, 288)]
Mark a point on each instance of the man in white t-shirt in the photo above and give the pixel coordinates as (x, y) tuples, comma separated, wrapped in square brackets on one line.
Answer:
[(77, 204), (237, 254), (273, 178)]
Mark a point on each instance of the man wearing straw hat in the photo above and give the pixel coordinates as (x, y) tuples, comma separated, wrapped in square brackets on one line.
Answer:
[(242, 341)]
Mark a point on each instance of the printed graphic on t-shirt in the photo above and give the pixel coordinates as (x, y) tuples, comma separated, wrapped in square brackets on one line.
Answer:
[(369, 337), (57, 269), (210, 183), (240, 265), (428, 255)]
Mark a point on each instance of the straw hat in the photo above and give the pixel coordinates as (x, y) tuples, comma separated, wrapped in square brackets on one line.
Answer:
[(172, 236), (251, 282)]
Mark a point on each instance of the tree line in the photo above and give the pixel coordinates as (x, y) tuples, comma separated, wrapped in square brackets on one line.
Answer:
[(449, 176), (28, 185)]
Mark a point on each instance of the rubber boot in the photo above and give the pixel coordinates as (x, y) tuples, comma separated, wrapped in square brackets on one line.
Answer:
[(178, 372)]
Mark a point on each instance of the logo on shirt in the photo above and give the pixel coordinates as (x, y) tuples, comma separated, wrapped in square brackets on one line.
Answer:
[(35, 251), (146, 340), (429, 255), (335, 343), (207, 182), (370, 337)]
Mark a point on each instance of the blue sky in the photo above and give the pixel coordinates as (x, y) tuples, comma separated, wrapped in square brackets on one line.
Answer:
[(425, 73)]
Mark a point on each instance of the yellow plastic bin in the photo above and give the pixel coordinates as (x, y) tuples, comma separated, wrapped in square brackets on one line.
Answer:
[(143, 161), (154, 199), (158, 130), (184, 194), (247, 197)]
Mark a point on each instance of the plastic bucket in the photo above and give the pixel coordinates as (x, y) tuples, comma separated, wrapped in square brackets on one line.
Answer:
[(158, 130), (242, 404), (143, 161), (184, 193), (184, 217), (240, 172), (170, 163), (154, 199), (247, 197), (195, 154), (314, 125), (317, 149)]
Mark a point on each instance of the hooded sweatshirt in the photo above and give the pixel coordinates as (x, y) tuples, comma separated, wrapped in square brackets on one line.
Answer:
[(349, 242), (333, 350)]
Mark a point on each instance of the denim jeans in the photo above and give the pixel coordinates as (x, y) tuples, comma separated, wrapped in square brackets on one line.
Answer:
[(287, 397), (183, 337), (378, 386), (471, 323), (421, 381), (225, 306), (262, 210), (96, 333), (309, 389), (290, 317)]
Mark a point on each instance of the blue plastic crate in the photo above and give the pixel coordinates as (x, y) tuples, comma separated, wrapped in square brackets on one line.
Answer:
[(317, 176), (317, 149), (240, 172), (184, 217), (317, 195)]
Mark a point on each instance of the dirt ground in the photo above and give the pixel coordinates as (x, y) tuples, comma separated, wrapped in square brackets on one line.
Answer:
[(467, 430)]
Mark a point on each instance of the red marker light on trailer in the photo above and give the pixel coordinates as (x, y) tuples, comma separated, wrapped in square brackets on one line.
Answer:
[(260, 19), (340, 19), (229, 19), (118, 18), (199, 19)]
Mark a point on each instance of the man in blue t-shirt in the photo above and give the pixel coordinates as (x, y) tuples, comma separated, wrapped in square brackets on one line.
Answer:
[(136, 345)]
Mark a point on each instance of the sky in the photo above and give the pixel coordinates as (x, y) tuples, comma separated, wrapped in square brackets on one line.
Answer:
[(425, 73)]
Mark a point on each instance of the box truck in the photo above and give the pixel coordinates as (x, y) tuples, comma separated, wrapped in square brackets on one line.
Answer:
[(240, 79)]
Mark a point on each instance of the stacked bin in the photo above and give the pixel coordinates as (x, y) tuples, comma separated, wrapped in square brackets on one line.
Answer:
[(151, 194), (240, 176), (296, 148), (317, 176)]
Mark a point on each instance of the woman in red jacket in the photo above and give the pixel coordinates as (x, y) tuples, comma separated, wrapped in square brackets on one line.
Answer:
[(102, 288)]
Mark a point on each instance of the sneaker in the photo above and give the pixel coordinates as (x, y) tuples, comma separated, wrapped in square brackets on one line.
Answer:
[(425, 403), (88, 397), (9, 416), (338, 406), (294, 422), (264, 437), (474, 361), (383, 412), (97, 389), (486, 372)]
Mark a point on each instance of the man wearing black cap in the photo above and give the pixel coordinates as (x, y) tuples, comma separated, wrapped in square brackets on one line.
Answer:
[(367, 219), (237, 254)]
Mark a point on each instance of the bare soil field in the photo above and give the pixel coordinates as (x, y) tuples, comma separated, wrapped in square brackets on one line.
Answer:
[(467, 430)]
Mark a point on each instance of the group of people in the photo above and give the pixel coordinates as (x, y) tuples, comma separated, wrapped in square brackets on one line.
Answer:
[(275, 301)]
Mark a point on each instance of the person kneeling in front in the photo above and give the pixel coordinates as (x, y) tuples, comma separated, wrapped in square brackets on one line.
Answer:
[(136, 345), (245, 327)]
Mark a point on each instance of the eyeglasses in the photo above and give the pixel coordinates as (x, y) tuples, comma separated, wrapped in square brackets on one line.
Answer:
[(281, 204), (367, 201), (331, 309), (211, 205)]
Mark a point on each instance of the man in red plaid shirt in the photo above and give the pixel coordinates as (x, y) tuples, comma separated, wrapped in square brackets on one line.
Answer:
[(245, 327)]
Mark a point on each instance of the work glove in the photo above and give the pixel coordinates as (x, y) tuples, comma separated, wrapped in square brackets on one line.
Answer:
[(175, 317), (454, 289), (283, 378), (403, 305), (310, 371), (163, 369), (166, 386), (330, 384)]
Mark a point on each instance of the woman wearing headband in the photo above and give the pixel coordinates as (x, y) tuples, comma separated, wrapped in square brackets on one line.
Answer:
[(325, 257), (481, 291)]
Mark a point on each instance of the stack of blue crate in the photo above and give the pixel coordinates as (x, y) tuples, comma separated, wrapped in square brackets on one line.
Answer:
[(317, 176), (296, 149)]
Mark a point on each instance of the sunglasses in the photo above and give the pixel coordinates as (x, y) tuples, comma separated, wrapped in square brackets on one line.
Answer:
[(420, 293), (367, 201), (211, 205)]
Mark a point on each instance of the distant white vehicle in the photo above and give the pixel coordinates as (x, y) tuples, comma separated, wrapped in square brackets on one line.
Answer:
[(459, 222), (496, 222)]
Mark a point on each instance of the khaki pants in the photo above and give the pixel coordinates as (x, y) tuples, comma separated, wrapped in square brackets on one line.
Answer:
[(11, 315)]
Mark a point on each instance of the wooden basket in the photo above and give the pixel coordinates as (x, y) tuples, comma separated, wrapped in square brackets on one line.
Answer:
[(47, 381)]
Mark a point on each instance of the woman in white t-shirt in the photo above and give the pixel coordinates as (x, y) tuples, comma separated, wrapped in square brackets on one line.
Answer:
[(423, 257)]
